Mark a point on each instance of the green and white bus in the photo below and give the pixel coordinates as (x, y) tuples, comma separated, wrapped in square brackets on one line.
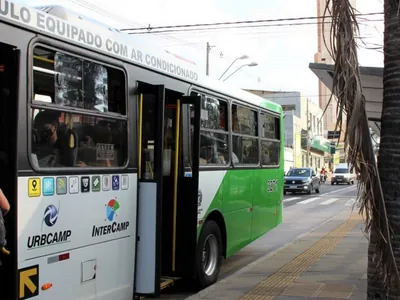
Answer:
[(125, 167)]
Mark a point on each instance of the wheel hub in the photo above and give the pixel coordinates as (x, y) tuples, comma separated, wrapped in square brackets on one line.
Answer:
[(210, 255)]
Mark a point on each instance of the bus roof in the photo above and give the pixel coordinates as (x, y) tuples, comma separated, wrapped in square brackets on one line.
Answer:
[(60, 23)]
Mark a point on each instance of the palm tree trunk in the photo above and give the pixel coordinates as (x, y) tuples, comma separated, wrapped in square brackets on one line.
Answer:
[(376, 289), (389, 156)]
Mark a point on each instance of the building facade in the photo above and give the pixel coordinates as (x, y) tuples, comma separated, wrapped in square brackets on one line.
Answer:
[(303, 128), (289, 159), (325, 101)]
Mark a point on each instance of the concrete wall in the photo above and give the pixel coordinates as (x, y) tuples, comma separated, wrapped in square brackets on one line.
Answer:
[(289, 159)]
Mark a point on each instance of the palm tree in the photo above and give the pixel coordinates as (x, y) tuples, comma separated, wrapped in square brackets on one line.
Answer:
[(379, 198)]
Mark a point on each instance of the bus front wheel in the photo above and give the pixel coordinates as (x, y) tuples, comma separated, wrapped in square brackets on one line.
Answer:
[(209, 254)]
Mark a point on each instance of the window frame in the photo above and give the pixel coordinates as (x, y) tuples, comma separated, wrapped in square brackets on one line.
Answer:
[(220, 131), (257, 137), (261, 131), (31, 71), (33, 104)]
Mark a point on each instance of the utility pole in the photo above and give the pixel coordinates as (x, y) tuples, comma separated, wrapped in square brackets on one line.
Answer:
[(308, 137), (208, 50)]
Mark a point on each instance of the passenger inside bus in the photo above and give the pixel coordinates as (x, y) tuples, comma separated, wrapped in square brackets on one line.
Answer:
[(212, 150), (73, 140), (210, 155), (50, 146)]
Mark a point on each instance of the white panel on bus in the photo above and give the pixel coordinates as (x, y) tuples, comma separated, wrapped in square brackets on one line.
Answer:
[(146, 247)]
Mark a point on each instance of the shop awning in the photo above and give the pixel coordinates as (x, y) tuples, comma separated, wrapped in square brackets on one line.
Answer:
[(321, 144), (372, 85)]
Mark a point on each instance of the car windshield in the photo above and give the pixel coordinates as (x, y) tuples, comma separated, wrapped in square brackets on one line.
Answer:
[(299, 172), (341, 171)]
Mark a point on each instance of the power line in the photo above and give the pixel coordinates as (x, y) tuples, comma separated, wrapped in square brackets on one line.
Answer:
[(149, 28), (117, 18), (256, 34), (86, 4), (208, 29), (120, 19)]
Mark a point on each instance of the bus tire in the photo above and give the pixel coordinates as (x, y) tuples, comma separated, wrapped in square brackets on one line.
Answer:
[(208, 255)]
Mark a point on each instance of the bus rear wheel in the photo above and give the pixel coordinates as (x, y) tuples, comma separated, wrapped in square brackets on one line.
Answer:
[(208, 255)]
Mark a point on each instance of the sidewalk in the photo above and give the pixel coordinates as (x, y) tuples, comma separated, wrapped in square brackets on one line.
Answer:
[(328, 263)]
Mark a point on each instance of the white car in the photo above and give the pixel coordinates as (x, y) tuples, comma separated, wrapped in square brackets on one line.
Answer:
[(342, 174)]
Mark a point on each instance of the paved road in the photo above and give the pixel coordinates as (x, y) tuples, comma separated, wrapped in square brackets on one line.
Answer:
[(302, 214), (327, 191)]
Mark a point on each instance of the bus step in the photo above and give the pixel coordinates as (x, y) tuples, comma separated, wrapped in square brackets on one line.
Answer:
[(167, 281)]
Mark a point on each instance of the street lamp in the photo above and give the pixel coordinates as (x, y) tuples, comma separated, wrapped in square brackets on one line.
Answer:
[(244, 56), (252, 64)]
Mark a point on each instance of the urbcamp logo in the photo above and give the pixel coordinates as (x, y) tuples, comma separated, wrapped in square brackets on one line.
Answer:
[(112, 208), (50, 216)]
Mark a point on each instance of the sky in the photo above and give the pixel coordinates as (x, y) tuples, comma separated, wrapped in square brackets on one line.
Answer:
[(282, 53)]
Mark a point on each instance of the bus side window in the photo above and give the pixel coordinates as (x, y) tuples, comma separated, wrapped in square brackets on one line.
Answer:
[(244, 136), (94, 144), (270, 140), (214, 132), (95, 133)]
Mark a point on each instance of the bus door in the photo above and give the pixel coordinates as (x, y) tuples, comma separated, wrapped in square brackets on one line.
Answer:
[(180, 186), (151, 99), (9, 70), (188, 188)]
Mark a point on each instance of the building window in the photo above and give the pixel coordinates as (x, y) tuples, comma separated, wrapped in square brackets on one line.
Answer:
[(288, 107)]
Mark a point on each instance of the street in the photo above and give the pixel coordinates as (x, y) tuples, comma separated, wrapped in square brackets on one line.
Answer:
[(329, 193), (302, 214)]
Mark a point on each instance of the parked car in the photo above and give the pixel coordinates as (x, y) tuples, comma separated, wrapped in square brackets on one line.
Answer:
[(302, 180), (342, 174)]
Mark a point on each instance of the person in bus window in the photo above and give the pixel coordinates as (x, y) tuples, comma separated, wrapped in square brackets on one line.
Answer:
[(4, 209), (48, 150), (47, 147), (209, 153)]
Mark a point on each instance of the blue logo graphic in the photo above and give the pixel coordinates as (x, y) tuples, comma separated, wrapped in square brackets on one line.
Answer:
[(50, 215), (115, 182), (48, 186)]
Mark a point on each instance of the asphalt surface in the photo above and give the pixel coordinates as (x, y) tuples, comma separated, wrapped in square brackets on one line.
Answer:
[(302, 214), (326, 190)]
